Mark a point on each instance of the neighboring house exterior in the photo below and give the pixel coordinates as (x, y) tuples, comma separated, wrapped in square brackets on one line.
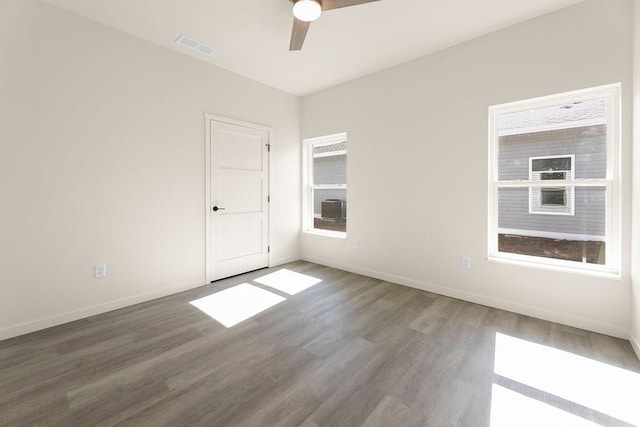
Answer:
[(533, 147), (329, 167)]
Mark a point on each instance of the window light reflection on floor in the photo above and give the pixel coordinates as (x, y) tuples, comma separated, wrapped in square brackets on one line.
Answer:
[(288, 281), (509, 409), (233, 305), (604, 388)]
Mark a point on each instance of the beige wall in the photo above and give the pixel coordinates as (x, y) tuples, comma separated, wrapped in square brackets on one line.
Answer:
[(102, 161), (635, 247), (417, 163)]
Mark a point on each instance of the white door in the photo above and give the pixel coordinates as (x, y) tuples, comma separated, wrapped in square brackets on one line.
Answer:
[(239, 208)]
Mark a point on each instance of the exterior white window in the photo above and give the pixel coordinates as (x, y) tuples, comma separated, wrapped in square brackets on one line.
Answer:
[(325, 181), (551, 200), (554, 181)]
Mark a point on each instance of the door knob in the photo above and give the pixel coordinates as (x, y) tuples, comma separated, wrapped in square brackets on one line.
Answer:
[(216, 209)]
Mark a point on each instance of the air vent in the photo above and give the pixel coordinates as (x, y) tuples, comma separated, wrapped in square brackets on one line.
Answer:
[(192, 44)]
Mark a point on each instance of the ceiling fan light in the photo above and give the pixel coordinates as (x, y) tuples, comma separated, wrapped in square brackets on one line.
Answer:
[(307, 10)]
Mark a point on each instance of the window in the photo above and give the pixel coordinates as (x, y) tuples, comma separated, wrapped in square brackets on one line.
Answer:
[(554, 170), (551, 200), (326, 185)]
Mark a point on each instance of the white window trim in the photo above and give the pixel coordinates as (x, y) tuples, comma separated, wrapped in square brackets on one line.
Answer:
[(307, 179), (570, 191), (612, 182)]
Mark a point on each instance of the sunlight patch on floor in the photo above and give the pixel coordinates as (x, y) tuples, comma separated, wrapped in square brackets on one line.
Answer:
[(509, 409), (288, 281), (236, 304), (604, 388)]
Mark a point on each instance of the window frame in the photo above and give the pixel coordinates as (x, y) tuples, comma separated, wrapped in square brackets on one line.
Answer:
[(309, 186), (611, 182)]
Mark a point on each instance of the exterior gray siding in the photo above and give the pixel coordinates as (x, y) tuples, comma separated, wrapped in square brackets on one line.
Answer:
[(588, 144), (329, 170), (589, 218)]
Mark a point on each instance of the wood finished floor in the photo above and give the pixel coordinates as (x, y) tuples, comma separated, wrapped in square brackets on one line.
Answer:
[(348, 351)]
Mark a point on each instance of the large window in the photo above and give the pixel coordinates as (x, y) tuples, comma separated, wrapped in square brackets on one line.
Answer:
[(326, 185), (554, 181)]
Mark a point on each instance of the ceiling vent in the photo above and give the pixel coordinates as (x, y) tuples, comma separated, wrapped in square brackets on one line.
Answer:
[(192, 44)]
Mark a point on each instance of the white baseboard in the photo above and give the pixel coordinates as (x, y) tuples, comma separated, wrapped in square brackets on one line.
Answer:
[(286, 260), (635, 344), (47, 322), (540, 313), (70, 316)]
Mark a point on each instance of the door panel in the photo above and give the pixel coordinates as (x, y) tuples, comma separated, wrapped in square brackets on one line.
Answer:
[(239, 188), (242, 237), (240, 149), (240, 193)]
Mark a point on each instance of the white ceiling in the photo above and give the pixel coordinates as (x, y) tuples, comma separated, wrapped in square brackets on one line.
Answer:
[(252, 36)]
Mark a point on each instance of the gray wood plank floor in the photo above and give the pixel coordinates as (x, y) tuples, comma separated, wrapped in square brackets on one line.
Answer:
[(349, 351)]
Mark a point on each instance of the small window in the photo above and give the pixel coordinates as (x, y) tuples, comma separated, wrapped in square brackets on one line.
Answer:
[(553, 197), (554, 192), (326, 185), (551, 200)]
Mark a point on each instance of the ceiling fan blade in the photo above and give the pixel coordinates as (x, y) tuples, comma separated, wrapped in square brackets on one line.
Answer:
[(298, 33), (335, 4)]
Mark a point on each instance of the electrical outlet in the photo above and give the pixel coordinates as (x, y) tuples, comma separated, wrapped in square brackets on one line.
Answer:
[(356, 244), (466, 263), (100, 271)]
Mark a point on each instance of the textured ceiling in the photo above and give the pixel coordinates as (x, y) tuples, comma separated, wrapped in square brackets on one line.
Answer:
[(252, 36)]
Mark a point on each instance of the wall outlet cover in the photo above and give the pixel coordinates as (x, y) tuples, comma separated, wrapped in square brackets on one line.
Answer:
[(100, 271)]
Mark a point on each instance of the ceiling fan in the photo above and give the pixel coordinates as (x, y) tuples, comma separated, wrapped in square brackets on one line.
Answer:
[(307, 11)]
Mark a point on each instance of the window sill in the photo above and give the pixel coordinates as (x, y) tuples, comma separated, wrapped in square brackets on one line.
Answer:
[(326, 233), (560, 266)]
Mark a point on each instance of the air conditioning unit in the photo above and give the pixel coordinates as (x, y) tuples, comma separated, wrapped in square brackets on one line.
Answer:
[(334, 209)]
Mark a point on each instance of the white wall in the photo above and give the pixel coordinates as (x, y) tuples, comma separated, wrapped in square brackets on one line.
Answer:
[(635, 247), (417, 163), (102, 161)]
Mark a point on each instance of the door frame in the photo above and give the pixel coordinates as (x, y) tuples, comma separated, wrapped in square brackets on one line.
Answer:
[(208, 118)]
